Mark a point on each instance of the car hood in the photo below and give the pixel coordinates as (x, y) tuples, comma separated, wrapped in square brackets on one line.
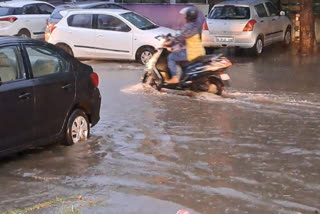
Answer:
[(161, 31)]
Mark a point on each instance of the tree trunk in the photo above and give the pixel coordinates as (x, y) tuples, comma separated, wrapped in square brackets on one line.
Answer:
[(307, 29)]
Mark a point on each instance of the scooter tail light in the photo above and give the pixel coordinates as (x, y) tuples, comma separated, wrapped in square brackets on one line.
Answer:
[(205, 26), (250, 25), (9, 19), (94, 79)]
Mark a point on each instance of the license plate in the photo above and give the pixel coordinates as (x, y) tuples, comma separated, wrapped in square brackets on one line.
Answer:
[(225, 39), (224, 76)]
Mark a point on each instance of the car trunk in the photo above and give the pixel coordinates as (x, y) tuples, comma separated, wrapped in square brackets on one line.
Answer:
[(228, 19), (226, 26)]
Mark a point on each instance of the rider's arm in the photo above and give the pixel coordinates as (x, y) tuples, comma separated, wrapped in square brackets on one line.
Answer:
[(188, 31)]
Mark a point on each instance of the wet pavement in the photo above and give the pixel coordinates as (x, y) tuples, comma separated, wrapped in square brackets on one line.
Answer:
[(152, 152)]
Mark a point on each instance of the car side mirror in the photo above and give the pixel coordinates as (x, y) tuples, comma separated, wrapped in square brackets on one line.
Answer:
[(282, 13)]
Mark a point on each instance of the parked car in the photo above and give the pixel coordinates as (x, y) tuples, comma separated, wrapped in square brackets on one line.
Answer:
[(56, 15), (107, 34), (251, 24), (46, 95), (24, 18)]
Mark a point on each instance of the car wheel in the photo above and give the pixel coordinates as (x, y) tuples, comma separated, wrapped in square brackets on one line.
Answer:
[(78, 128), (144, 55), (287, 38), (24, 33), (257, 49), (66, 48)]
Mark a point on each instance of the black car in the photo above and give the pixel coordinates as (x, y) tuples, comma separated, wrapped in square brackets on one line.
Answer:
[(46, 95)]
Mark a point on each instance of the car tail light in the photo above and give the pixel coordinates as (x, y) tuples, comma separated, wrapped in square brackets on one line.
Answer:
[(95, 79), (8, 19), (250, 25), (205, 26), (51, 28)]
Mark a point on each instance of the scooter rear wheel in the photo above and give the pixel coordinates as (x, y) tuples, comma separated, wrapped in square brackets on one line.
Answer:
[(218, 84)]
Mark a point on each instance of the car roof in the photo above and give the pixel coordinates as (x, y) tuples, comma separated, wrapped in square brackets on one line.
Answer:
[(19, 3), (241, 2), (84, 4), (100, 11), (15, 39)]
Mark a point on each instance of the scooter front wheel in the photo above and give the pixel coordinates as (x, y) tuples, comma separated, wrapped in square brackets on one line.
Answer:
[(158, 84)]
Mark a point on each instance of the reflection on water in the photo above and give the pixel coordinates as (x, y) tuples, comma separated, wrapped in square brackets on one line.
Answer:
[(257, 152)]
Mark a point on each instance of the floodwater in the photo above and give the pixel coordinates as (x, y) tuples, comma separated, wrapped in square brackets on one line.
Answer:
[(258, 152)]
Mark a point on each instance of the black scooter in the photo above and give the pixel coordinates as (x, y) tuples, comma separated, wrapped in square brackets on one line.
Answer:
[(204, 74)]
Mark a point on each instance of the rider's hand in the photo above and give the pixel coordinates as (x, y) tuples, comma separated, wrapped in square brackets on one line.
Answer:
[(167, 43)]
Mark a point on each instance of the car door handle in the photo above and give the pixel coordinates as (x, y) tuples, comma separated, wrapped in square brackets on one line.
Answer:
[(24, 96), (273, 19), (66, 86), (100, 35), (262, 21)]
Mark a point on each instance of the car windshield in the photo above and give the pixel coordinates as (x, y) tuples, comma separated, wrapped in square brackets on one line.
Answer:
[(230, 12), (139, 21)]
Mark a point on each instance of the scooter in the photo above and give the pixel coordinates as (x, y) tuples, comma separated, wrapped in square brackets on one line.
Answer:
[(204, 74)]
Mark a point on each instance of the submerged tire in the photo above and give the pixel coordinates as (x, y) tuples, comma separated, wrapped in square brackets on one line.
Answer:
[(66, 48), (24, 33), (257, 49), (287, 38), (78, 128), (218, 84)]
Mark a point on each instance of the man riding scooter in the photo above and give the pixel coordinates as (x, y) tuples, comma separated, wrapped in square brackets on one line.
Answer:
[(188, 44)]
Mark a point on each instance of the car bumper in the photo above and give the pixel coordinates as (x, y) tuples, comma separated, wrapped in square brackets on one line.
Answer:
[(95, 107), (242, 40), (7, 31)]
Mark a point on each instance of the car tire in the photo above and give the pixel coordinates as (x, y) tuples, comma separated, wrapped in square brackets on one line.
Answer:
[(257, 49), (24, 33), (287, 38), (78, 128), (66, 48), (144, 55)]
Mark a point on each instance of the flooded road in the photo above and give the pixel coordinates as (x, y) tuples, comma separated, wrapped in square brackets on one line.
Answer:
[(152, 152)]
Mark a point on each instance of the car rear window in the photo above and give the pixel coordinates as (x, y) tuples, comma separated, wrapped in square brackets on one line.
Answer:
[(7, 11), (56, 14), (230, 12)]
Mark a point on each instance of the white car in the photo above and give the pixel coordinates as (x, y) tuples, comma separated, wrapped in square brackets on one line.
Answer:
[(107, 34), (247, 24), (24, 18)]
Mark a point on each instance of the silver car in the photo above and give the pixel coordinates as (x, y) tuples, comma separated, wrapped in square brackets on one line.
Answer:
[(247, 24)]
